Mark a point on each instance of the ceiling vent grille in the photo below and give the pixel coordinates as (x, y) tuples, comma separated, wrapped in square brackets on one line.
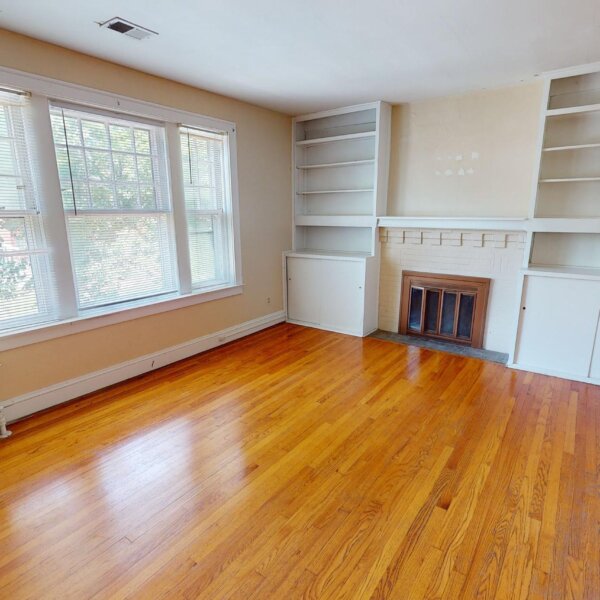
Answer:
[(137, 32)]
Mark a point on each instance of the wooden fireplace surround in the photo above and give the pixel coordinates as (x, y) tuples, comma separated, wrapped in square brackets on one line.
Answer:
[(478, 286)]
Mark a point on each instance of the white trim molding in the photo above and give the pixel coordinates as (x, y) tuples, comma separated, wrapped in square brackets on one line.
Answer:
[(32, 402), (79, 94)]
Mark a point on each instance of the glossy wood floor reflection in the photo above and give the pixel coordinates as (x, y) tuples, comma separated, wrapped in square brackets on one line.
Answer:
[(297, 463)]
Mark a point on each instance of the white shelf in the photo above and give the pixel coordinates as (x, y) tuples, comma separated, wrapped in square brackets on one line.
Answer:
[(572, 110), (334, 192), (336, 255), (565, 225), (336, 220), (563, 272), (336, 138), (569, 179), (347, 163), (574, 147), (489, 224)]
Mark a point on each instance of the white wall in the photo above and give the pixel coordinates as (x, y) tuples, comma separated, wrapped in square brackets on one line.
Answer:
[(470, 155), (497, 255)]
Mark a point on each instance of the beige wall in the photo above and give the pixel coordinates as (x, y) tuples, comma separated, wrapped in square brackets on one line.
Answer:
[(264, 173), (470, 155)]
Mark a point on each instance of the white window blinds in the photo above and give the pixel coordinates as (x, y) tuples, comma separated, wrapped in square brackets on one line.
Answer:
[(25, 290), (207, 202), (114, 184)]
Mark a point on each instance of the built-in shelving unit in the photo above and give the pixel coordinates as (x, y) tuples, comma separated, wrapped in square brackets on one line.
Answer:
[(340, 188), (338, 180), (569, 174), (559, 314), (567, 200)]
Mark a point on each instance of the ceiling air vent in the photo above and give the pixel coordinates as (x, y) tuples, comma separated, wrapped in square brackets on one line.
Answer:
[(137, 32)]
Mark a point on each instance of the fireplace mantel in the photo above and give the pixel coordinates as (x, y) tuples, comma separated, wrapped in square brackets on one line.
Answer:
[(462, 223)]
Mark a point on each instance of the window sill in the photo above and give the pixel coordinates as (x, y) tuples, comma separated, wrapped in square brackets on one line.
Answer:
[(49, 331)]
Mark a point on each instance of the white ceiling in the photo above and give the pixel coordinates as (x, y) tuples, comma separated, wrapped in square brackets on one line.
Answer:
[(303, 55)]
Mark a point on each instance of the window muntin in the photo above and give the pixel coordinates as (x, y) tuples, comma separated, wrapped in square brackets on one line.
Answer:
[(114, 187), (205, 166), (25, 287)]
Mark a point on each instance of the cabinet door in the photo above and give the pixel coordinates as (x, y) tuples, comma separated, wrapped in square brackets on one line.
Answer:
[(304, 290), (558, 324), (343, 295)]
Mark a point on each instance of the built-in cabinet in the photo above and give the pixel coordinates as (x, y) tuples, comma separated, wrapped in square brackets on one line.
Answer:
[(559, 326), (341, 160), (329, 293), (559, 312)]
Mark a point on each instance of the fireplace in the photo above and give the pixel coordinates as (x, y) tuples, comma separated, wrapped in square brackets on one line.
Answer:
[(444, 307)]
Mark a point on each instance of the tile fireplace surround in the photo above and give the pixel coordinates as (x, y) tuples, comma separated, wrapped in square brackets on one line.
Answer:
[(495, 255)]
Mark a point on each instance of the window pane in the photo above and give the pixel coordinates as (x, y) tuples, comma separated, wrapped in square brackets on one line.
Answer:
[(202, 248), (203, 161), (13, 234), (102, 196), (4, 121), (99, 165), (124, 167), (11, 198), (121, 253), (121, 138), (18, 297), (142, 141), (11, 181), (144, 168), (24, 274), (127, 196), (448, 310), (95, 134), (118, 258), (8, 162)]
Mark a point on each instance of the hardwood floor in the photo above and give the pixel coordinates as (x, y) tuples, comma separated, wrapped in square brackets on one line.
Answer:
[(298, 463)]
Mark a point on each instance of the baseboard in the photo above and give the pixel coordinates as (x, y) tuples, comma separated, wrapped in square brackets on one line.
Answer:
[(32, 402), (553, 373), (325, 328)]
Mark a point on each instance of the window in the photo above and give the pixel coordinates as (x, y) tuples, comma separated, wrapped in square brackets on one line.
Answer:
[(115, 196), (207, 211), (24, 279), (102, 211)]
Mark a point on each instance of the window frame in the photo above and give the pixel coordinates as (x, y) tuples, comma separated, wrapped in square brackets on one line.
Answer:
[(70, 319)]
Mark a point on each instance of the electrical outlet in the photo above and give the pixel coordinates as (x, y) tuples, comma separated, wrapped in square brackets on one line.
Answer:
[(268, 299)]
